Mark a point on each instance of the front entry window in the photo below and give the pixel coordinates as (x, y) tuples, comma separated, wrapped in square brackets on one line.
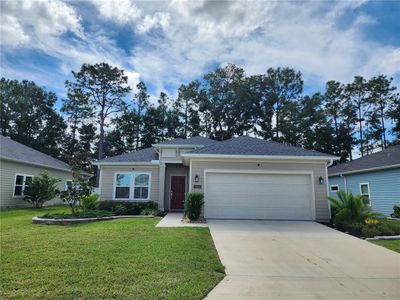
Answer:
[(132, 186), (123, 186), (141, 186)]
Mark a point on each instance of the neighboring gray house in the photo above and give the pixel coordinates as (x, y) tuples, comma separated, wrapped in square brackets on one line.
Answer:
[(376, 176), (241, 178), (19, 164)]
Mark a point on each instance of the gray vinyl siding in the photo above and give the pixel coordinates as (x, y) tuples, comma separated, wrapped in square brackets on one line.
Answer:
[(8, 170), (319, 169), (107, 180)]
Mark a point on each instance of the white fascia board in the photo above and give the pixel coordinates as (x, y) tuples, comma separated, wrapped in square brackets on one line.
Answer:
[(269, 157), (145, 163), (176, 146), (35, 164), (365, 170)]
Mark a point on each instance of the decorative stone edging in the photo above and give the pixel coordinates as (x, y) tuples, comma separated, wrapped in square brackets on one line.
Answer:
[(394, 219), (389, 237), (37, 220)]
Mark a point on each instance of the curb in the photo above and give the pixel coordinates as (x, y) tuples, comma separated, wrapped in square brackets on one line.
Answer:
[(388, 238)]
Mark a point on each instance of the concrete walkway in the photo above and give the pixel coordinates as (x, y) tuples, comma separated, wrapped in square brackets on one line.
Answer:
[(301, 260), (174, 219)]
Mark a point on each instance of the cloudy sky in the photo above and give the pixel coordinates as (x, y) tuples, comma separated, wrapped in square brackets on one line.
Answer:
[(167, 43)]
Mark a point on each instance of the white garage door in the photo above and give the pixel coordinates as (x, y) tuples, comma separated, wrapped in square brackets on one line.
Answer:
[(258, 196)]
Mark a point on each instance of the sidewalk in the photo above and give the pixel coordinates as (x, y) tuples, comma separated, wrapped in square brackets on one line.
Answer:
[(175, 220)]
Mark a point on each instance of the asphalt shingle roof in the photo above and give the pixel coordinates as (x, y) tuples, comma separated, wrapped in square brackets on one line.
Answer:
[(144, 155), (385, 158), (13, 150), (196, 140), (246, 145)]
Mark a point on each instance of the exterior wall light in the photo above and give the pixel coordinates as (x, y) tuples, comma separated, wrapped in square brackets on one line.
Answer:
[(196, 178), (321, 180)]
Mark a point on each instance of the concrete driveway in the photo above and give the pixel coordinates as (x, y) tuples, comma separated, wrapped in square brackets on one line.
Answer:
[(301, 260)]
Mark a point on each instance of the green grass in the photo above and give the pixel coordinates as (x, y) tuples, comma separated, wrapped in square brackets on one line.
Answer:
[(122, 259), (390, 244)]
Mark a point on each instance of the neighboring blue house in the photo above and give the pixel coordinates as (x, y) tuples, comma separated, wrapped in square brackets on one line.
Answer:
[(376, 176)]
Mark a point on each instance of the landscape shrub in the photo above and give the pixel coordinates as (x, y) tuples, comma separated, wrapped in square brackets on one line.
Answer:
[(132, 208), (119, 210), (193, 205), (90, 202), (370, 231), (150, 212), (352, 228), (396, 211), (79, 214), (371, 228), (41, 189), (351, 208), (79, 188)]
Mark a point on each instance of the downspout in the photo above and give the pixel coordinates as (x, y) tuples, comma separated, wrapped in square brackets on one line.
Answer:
[(327, 186), (345, 182)]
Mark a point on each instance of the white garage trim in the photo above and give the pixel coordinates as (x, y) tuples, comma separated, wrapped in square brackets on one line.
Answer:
[(238, 171)]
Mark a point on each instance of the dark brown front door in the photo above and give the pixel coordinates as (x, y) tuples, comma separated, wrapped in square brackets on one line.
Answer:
[(177, 195)]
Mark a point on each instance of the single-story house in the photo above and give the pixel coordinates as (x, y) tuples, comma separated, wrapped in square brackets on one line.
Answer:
[(376, 177), (19, 164), (241, 178)]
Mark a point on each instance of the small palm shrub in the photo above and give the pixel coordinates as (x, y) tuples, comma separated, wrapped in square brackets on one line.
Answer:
[(41, 189), (396, 211), (193, 205), (90, 202), (351, 208)]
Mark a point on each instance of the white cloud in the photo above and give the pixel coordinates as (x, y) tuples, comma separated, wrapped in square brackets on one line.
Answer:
[(121, 11), (11, 32), (41, 19), (192, 36)]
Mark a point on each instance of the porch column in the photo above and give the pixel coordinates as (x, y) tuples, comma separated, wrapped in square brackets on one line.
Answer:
[(161, 186)]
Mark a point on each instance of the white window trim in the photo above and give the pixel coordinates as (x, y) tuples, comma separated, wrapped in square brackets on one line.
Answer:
[(333, 185), (23, 184), (131, 187), (369, 192)]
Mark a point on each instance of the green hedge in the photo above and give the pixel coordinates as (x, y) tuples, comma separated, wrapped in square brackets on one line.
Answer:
[(132, 207), (193, 204), (384, 227)]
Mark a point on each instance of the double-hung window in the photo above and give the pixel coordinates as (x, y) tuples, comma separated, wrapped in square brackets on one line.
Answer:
[(364, 190), (132, 186), (21, 181)]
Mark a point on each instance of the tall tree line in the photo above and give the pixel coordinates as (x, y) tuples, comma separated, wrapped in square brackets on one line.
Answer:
[(98, 118)]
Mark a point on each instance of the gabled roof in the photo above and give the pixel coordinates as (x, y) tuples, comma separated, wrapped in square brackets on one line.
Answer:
[(14, 151), (196, 140), (242, 146), (388, 158), (145, 155), (247, 146)]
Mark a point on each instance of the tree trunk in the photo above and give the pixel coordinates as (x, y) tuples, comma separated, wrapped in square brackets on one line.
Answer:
[(101, 150), (337, 136), (138, 127), (383, 130), (277, 122), (360, 132)]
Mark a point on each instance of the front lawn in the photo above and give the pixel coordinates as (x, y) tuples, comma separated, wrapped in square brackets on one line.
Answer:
[(392, 244), (123, 259)]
